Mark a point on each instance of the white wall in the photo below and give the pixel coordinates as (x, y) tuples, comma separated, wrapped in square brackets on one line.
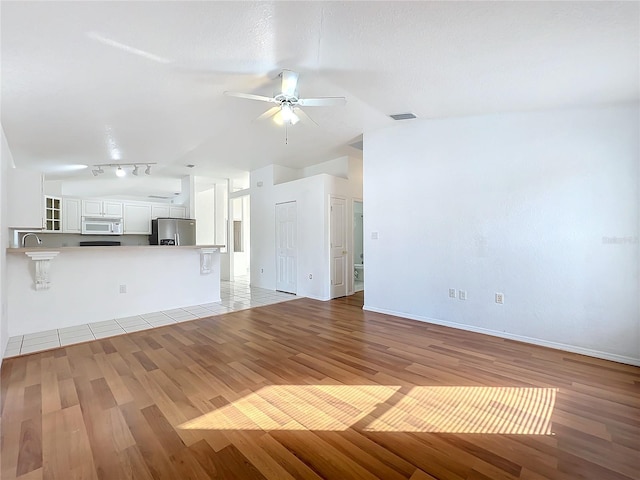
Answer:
[(540, 206), (312, 199), (308, 193), (338, 167), (6, 162), (204, 215), (85, 286)]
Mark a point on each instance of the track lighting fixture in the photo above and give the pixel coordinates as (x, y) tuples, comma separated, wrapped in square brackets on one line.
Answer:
[(97, 171), (120, 172)]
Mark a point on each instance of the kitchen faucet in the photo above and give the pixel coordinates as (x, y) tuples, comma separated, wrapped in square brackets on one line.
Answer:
[(24, 239)]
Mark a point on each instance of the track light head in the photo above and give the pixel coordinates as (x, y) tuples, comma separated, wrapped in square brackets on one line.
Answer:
[(120, 172)]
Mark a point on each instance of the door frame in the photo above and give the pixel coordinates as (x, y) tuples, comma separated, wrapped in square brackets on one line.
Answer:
[(352, 286), (347, 247)]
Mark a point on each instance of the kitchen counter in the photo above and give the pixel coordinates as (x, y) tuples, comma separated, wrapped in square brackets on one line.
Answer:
[(110, 248), (58, 287)]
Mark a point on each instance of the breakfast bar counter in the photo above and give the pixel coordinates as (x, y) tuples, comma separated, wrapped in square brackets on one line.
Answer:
[(118, 247), (58, 287)]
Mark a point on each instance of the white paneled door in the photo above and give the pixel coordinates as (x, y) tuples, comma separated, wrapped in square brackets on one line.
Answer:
[(286, 247), (338, 231)]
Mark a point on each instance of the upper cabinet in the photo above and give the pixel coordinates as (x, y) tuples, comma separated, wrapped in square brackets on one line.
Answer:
[(177, 212), (25, 195), (137, 218), (159, 211), (168, 211), (71, 215), (30, 209), (102, 208), (52, 214)]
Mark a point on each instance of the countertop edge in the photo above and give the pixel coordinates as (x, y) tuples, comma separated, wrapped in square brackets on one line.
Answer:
[(111, 248)]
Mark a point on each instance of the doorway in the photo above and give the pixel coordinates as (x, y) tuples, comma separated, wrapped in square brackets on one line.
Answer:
[(358, 246), (338, 232), (286, 247), (241, 234)]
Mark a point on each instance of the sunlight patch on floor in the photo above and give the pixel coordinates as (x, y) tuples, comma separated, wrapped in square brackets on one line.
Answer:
[(387, 408)]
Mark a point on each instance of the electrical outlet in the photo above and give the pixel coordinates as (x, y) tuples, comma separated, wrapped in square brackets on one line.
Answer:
[(123, 289), (452, 293), (462, 294), (310, 276), (499, 298)]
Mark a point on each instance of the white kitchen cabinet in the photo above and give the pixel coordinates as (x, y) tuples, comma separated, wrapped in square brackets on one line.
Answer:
[(92, 208), (113, 209), (52, 214), (102, 208), (71, 215), (177, 212), (168, 211), (159, 211), (137, 218), (25, 196)]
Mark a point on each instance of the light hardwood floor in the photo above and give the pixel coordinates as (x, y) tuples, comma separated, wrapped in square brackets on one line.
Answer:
[(309, 389)]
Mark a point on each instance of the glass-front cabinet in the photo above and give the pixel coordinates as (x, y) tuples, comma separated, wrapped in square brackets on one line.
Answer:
[(52, 214)]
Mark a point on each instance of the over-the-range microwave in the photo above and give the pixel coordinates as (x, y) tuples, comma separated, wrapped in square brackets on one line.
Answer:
[(101, 226)]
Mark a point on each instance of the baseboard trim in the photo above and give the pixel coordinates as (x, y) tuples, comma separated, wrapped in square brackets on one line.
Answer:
[(510, 336), (313, 297)]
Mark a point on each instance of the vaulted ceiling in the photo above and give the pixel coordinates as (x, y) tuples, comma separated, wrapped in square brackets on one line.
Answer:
[(82, 80)]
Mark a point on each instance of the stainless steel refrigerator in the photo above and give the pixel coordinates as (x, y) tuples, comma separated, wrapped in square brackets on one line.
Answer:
[(173, 231)]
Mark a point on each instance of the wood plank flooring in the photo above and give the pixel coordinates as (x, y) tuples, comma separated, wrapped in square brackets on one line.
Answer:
[(311, 390)]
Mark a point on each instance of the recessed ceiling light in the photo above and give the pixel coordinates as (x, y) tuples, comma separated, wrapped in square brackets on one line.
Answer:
[(403, 116)]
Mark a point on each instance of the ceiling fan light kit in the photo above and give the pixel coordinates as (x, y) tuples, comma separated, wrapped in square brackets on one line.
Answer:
[(120, 172), (287, 101)]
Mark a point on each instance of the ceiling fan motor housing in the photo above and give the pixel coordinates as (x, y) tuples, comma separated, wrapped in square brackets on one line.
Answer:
[(281, 98)]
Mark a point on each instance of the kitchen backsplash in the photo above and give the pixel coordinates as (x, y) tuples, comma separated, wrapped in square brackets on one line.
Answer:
[(56, 240)]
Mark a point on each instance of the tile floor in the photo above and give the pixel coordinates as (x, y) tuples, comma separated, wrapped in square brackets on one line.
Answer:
[(236, 295)]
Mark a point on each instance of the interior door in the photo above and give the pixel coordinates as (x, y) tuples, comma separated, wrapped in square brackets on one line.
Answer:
[(338, 232), (286, 247)]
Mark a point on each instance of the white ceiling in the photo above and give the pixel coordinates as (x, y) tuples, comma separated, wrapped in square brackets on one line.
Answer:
[(151, 75)]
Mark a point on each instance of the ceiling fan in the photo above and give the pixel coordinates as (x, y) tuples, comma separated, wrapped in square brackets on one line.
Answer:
[(287, 101)]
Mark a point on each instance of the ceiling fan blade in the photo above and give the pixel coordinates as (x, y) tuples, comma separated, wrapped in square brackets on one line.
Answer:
[(321, 102), (250, 96), (278, 118), (269, 113), (289, 83), (304, 116)]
